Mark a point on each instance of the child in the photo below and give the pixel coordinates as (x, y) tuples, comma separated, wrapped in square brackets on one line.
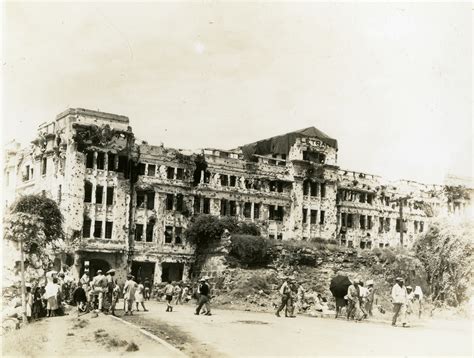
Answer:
[(29, 303), (79, 297)]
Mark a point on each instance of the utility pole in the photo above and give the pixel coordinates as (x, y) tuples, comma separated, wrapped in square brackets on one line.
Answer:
[(23, 293), (400, 202)]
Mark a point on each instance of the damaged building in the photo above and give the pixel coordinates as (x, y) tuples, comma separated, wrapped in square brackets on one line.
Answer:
[(127, 204)]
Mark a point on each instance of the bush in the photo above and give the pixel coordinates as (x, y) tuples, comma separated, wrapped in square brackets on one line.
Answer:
[(250, 250)]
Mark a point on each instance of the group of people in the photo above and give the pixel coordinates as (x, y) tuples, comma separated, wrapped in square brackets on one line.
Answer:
[(47, 300), (293, 295), (178, 293), (360, 300), (102, 292), (405, 302)]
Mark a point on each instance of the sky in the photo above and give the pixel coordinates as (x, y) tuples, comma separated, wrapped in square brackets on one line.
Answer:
[(392, 82)]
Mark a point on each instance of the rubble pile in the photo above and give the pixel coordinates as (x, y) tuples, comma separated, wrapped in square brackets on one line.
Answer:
[(257, 289)]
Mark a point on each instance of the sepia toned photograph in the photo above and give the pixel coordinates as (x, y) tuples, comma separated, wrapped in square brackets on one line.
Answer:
[(237, 178)]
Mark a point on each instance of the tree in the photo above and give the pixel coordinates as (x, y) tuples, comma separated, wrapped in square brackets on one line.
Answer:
[(446, 251), (23, 228), (206, 229), (47, 209), (35, 223)]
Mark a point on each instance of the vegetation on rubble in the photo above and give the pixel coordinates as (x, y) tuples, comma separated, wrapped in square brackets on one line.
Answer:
[(446, 252), (93, 136), (456, 192), (206, 229), (250, 250)]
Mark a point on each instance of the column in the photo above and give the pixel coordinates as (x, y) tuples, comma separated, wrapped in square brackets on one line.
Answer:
[(252, 208), (186, 272), (157, 274), (201, 180)]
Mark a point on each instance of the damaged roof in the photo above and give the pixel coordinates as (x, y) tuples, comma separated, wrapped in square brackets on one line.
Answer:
[(281, 144)]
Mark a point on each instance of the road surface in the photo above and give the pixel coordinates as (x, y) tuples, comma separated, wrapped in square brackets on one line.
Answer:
[(237, 333)]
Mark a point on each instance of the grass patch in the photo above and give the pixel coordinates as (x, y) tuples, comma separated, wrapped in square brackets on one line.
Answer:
[(81, 323), (114, 342), (132, 347)]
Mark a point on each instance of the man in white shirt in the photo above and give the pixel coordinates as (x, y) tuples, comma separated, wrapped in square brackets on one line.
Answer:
[(399, 300), (100, 285)]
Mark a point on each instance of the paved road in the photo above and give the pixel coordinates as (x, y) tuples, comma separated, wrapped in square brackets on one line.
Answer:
[(237, 333)]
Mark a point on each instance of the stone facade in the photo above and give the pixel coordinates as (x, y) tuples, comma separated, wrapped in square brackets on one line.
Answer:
[(127, 204)]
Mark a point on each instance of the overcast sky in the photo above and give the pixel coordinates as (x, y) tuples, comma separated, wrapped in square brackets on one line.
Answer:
[(391, 82)]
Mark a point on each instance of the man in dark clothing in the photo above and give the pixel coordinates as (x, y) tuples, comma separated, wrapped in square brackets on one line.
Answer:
[(286, 297), (203, 297), (79, 297)]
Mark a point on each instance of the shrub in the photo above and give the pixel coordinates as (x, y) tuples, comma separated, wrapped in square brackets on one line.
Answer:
[(250, 250)]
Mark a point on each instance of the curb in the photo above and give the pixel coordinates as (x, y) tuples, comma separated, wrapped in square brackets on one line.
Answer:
[(173, 349)]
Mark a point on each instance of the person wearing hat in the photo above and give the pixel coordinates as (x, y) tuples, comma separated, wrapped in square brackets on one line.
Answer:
[(353, 301), (99, 284), (109, 293), (129, 294), (399, 300), (370, 297), (204, 293), (285, 293)]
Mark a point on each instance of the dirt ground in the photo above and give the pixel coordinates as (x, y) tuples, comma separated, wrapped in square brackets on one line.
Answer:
[(231, 333), (71, 335)]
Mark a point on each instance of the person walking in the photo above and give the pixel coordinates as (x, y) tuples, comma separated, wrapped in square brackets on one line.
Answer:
[(204, 294), (177, 294), (353, 301), (290, 307), (399, 300), (147, 292), (285, 293), (370, 297), (139, 295), (129, 294), (169, 289)]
